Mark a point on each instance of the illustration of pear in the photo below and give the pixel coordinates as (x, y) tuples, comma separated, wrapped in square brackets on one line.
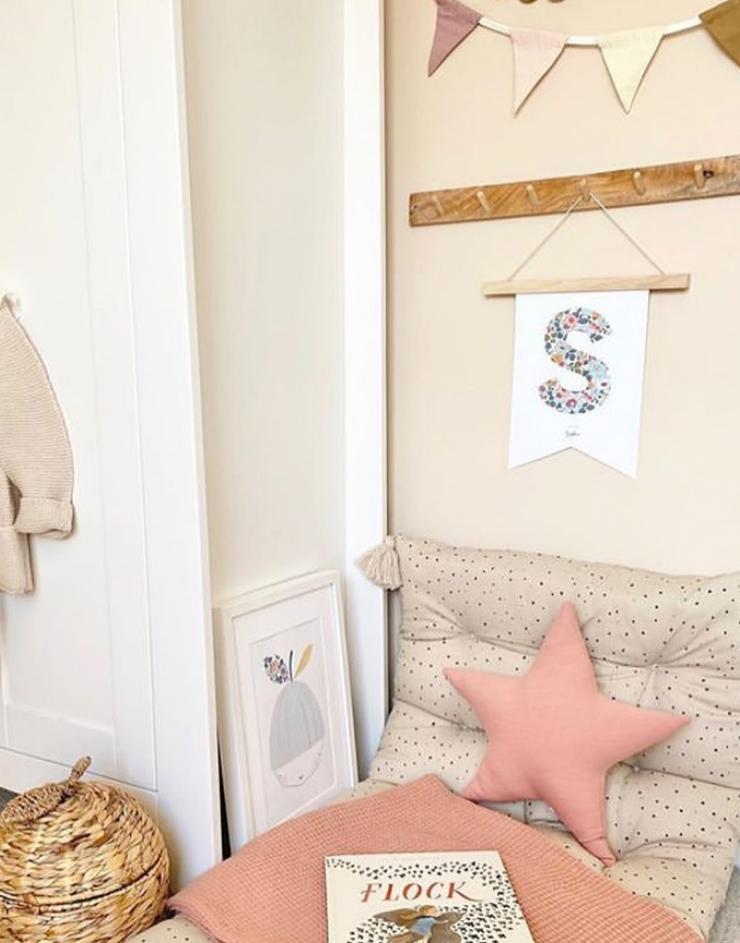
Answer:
[(297, 727)]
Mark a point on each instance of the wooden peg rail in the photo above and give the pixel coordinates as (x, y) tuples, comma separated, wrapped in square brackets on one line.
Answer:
[(636, 186)]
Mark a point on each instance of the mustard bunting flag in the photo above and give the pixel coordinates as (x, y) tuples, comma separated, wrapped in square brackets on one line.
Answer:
[(455, 22), (627, 56), (535, 53), (723, 23)]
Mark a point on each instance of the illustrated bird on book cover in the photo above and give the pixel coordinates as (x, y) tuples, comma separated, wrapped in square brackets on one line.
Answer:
[(425, 924)]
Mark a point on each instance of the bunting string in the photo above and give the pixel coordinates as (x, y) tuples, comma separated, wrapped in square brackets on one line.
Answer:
[(627, 54), (673, 29)]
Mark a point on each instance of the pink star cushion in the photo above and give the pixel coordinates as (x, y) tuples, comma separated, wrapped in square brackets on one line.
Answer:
[(552, 735)]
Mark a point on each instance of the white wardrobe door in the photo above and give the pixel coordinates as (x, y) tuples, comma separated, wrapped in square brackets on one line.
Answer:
[(111, 654), (75, 654)]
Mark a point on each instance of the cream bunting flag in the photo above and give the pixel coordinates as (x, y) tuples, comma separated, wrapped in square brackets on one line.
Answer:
[(535, 53), (627, 56), (455, 22)]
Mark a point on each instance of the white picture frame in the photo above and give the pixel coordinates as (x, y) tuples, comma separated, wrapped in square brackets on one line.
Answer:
[(286, 731)]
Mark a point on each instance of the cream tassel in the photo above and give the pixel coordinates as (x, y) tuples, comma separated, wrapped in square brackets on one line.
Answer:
[(381, 565)]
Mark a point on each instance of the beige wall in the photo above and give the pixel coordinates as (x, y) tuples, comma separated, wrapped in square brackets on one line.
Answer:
[(451, 351), (264, 110)]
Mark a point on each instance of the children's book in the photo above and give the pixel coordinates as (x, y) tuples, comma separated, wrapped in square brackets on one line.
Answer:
[(442, 897)]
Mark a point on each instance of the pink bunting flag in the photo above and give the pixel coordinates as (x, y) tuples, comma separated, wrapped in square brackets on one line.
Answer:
[(455, 22), (535, 53)]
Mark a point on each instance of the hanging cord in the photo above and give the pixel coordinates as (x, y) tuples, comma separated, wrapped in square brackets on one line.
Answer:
[(540, 245), (682, 26), (630, 238), (564, 219)]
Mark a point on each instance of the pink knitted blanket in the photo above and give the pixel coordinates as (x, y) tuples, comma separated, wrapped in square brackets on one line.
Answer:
[(272, 891)]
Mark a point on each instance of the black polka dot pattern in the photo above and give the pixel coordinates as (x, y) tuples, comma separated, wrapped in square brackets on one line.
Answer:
[(177, 930), (657, 640)]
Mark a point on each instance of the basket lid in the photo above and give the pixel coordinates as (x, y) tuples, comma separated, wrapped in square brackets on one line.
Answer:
[(66, 842), (34, 804)]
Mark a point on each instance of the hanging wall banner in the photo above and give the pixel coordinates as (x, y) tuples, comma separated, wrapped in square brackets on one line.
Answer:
[(579, 361), (627, 54)]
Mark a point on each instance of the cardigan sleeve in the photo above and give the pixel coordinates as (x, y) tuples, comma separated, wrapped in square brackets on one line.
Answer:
[(35, 453), (15, 561)]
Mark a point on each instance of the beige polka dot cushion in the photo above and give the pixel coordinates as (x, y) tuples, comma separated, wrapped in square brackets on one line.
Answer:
[(659, 641), (177, 930)]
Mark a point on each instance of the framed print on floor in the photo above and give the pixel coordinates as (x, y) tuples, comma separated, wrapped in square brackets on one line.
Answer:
[(284, 707)]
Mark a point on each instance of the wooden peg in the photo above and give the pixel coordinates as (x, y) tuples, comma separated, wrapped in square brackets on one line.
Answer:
[(438, 205), (639, 182), (483, 200), (699, 178), (13, 301), (584, 188), (532, 195)]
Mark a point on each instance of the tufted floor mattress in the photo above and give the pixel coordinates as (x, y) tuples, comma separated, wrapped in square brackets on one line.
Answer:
[(658, 641)]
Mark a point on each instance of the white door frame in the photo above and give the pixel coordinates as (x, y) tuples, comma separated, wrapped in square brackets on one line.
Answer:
[(366, 499)]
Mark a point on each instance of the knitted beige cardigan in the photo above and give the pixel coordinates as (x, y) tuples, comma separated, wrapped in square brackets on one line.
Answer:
[(36, 470)]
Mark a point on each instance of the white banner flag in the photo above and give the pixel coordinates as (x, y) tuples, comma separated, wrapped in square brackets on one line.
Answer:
[(535, 53), (579, 360), (627, 56)]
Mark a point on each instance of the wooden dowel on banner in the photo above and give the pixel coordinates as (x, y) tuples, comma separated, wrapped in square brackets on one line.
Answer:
[(662, 183), (538, 286)]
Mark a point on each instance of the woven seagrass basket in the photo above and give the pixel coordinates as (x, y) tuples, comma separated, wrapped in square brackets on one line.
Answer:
[(79, 863)]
